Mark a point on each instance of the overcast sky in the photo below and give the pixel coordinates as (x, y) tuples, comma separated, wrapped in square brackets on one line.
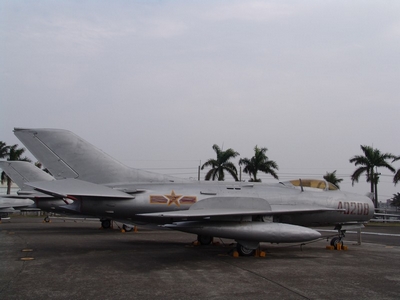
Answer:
[(157, 83)]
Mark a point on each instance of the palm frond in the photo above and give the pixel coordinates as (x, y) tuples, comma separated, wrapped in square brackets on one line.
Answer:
[(396, 177), (357, 173)]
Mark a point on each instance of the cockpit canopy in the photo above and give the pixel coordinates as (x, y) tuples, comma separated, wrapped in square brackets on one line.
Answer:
[(311, 183)]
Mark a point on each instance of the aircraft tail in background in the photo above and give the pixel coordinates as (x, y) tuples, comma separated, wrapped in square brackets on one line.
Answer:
[(22, 172)]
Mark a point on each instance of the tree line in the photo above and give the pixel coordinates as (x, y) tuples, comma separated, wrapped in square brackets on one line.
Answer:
[(367, 164)]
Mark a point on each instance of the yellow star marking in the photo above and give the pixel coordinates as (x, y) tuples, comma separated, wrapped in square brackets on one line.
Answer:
[(173, 198)]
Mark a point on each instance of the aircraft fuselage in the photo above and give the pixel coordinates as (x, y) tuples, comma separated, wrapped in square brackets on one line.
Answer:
[(152, 198)]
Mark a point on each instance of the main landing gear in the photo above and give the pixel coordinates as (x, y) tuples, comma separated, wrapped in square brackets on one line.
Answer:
[(250, 249), (244, 251), (127, 228), (105, 223), (205, 239)]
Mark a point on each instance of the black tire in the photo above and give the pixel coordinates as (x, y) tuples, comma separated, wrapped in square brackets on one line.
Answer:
[(46, 219), (106, 224), (335, 241), (243, 251), (127, 228), (205, 239)]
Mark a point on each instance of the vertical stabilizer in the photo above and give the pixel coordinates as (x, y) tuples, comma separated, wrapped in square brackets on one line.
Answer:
[(66, 155)]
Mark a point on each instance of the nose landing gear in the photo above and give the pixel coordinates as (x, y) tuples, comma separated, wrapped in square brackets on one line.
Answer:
[(337, 241)]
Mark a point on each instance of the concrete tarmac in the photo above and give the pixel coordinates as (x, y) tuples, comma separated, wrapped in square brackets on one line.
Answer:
[(77, 260)]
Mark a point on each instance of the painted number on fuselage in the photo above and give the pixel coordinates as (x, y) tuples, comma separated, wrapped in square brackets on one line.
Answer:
[(354, 208)]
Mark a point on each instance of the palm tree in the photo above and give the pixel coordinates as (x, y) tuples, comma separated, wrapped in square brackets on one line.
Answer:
[(372, 159), (259, 162), (3, 150), (13, 153), (3, 154), (221, 164), (331, 177), (395, 200), (40, 166), (396, 177)]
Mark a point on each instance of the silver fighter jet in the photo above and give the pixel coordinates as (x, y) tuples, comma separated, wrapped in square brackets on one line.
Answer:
[(248, 213)]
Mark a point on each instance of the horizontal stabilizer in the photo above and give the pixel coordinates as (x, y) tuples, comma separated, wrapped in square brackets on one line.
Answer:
[(74, 187)]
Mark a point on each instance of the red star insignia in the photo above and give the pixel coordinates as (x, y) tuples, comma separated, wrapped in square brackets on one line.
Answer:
[(173, 198)]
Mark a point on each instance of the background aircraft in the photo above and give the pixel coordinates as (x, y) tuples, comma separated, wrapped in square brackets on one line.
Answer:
[(22, 173), (247, 213), (9, 204)]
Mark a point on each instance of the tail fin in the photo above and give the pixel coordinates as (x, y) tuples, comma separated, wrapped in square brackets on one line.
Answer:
[(67, 155), (22, 172)]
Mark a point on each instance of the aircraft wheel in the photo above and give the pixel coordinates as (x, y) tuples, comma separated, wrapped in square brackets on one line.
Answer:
[(205, 239), (47, 219), (106, 224), (243, 251), (127, 228), (335, 241)]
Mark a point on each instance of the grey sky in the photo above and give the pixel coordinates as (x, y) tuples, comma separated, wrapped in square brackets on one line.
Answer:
[(157, 83)]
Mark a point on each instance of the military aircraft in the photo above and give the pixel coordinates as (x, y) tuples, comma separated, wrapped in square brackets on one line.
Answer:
[(21, 173), (8, 205), (249, 213)]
